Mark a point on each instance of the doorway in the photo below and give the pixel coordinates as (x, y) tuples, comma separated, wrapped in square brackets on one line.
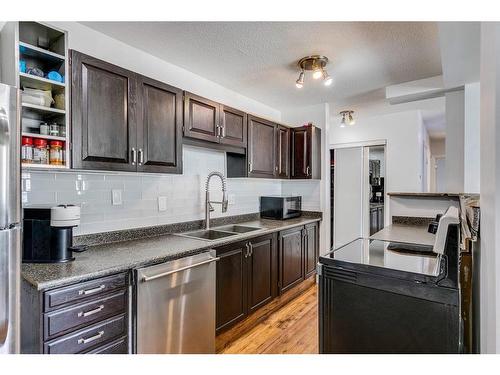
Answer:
[(357, 191)]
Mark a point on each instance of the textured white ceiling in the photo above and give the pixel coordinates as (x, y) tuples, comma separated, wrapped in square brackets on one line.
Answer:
[(258, 59)]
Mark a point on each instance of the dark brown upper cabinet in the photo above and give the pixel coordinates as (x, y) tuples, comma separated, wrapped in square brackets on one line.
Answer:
[(104, 121), (201, 118), (283, 152), (122, 121), (206, 120), (261, 148), (233, 124), (159, 135), (306, 152)]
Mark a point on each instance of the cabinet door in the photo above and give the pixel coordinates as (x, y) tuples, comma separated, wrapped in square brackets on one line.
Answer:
[(262, 271), (301, 152), (231, 289), (103, 114), (159, 136), (234, 127), (261, 148), (380, 218), (291, 255), (283, 152), (311, 249), (201, 118)]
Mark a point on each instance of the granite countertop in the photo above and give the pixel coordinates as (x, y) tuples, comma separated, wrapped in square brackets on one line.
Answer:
[(106, 259), (416, 234)]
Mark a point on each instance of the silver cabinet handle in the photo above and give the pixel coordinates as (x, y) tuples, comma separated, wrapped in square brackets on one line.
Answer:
[(251, 249), (90, 339), (91, 312), (141, 156), (307, 171), (223, 131), (247, 253), (134, 156), (91, 291), (163, 274)]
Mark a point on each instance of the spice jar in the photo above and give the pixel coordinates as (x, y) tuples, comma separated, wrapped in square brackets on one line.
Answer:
[(40, 152), (44, 128), (62, 131), (56, 157), (27, 150), (54, 130)]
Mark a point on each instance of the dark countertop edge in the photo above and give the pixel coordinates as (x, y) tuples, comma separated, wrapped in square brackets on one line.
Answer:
[(204, 245)]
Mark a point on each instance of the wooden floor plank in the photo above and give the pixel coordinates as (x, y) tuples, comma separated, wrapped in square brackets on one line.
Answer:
[(293, 329)]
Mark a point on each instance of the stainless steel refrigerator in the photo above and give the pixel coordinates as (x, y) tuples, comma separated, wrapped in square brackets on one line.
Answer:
[(10, 220)]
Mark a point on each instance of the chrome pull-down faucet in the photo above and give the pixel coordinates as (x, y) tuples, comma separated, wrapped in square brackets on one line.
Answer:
[(208, 202)]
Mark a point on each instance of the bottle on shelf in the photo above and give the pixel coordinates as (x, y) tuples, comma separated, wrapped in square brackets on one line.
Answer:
[(56, 153), (27, 150), (40, 152)]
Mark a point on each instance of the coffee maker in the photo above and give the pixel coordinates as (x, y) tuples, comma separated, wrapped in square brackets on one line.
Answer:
[(48, 234)]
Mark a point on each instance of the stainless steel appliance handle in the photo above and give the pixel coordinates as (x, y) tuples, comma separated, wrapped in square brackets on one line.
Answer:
[(163, 274), (90, 339), (90, 312), (87, 292)]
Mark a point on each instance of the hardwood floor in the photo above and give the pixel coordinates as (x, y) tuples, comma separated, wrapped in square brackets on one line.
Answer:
[(293, 329)]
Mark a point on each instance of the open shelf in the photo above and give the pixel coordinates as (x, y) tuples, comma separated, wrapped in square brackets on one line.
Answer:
[(43, 166), (49, 137), (43, 110), (40, 83), (39, 53)]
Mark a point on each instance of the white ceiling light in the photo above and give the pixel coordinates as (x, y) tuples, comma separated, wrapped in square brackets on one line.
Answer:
[(316, 64)]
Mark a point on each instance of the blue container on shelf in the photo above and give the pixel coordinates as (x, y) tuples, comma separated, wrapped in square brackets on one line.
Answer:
[(22, 66), (55, 76)]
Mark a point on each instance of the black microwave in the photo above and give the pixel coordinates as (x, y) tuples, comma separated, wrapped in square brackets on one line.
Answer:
[(280, 207)]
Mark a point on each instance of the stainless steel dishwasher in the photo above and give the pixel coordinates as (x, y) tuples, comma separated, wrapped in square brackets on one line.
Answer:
[(175, 306)]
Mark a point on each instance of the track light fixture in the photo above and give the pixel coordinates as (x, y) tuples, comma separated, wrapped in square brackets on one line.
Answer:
[(347, 118), (316, 64)]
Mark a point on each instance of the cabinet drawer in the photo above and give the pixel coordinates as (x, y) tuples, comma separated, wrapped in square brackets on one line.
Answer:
[(88, 337), (83, 291), (119, 346), (60, 321)]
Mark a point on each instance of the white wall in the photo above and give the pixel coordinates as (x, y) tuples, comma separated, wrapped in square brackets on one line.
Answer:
[(490, 187), (455, 134), (472, 155), (184, 193), (403, 133)]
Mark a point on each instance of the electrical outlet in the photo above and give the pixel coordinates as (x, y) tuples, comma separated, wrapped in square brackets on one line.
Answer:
[(231, 198), (162, 204), (116, 197)]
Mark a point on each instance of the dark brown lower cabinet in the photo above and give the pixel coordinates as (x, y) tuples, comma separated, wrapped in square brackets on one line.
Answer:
[(87, 317), (291, 256), (298, 255), (311, 249), (247, 277)]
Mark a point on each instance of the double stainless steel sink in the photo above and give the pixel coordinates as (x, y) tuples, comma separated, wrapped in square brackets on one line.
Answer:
[(219, 232)]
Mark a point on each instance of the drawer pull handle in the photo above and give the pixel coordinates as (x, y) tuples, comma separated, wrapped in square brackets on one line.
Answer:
[(91, 312), (90, 339), (91, 291)]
